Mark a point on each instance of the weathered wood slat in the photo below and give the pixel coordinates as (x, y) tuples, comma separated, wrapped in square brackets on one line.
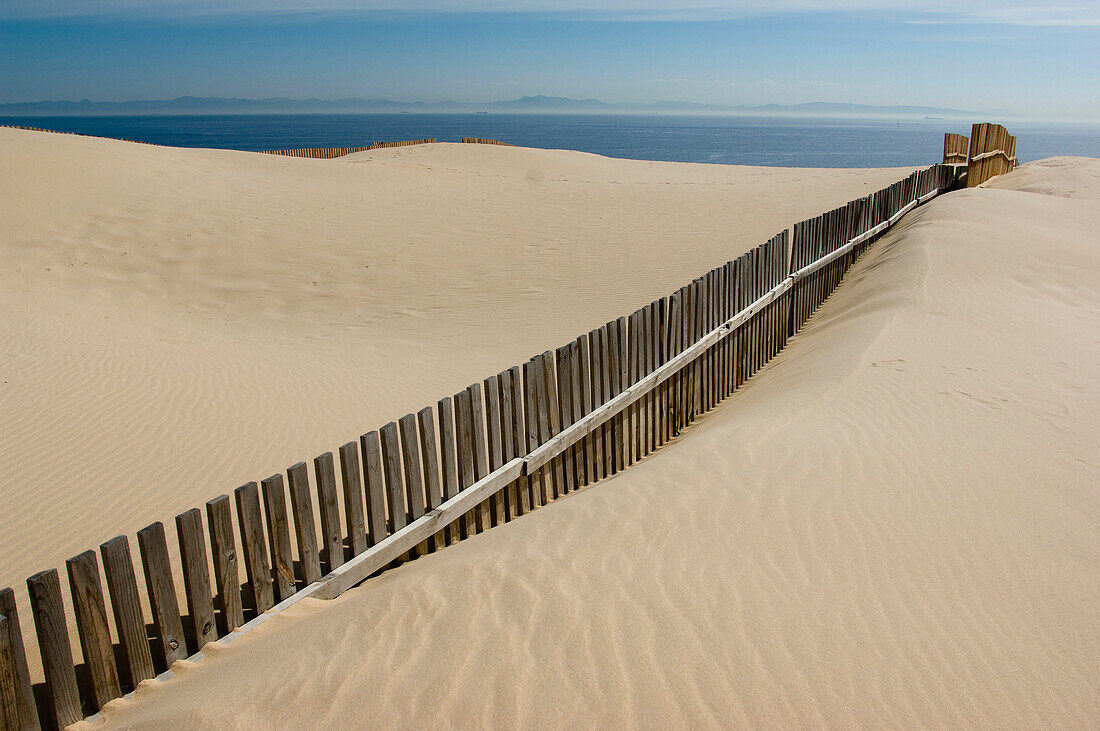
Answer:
[(161, 590), (354, 522), (92, 627), (377, 517), (256, 564), (592, 364), (519, 438), (196, 578), (582, 395), (481, 457), (301, 505), (491, 387), (464, 445), (564, 397), (278, 534), (21, 712), (227, 576), (414, 479), (507, 440), (48, 611), (329, 507), (448, 459), (15, 711), (545, 380), (429, 453), (532, 374), (397, 515)]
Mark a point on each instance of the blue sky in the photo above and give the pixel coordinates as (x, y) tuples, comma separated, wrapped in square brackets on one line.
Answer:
[(1022, 59)]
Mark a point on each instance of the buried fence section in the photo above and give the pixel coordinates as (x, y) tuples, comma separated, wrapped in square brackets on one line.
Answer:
[(955, 148), (329, 153), (992, 153), (515, 441)]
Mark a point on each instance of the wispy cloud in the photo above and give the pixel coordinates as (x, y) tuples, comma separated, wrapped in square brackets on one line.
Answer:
[(1011, 12), (1043, 17)]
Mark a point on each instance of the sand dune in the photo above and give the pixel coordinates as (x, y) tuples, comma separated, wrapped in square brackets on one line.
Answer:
[(896, 523), (177, 322)]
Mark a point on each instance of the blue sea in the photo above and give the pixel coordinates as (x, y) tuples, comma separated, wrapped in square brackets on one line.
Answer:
[(778, 141)]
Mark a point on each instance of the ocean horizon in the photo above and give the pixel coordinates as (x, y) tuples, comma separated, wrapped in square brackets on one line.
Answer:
[(733, 140)]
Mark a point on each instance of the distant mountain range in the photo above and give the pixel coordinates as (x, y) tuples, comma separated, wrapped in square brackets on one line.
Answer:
[(528, 104)]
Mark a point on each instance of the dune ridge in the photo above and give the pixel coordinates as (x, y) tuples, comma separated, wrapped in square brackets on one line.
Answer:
[(894, 524), (182, 321)]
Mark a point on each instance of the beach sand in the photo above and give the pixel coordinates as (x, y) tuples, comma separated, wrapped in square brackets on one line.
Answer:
[(895, 524), (178, 322)]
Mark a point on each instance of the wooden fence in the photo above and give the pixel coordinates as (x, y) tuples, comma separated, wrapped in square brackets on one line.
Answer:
[(989, 152), (992, 152), (327, 153), (954, 149), (485, 141), (494, 451)]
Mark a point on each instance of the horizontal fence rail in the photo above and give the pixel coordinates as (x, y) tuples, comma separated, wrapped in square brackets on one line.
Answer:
[(500, 448)]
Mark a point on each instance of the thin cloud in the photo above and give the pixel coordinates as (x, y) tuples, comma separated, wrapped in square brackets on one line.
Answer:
[(1012, 12)]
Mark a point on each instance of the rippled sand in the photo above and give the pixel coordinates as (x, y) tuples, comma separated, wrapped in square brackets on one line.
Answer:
[(895, 524)]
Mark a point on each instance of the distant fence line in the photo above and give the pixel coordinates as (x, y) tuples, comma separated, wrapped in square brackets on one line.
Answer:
[(485, 141), (989, 152), (494, 451), (78, 134), (328, 153), (314, 153)]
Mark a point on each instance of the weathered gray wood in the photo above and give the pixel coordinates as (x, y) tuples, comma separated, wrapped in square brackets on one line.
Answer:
[(395, 485), (223, 549), (125, 602), (92, 628), (254, 547), (161, 590), (610, 342), (564, 398), (495, 446), (507, 437), (580, 394), (519, 438), (481, 457), (615, 382), (633, 430), (414, 481), (549, 480), (278, 534), (464, 442), (21, 712), (13, 707), (301, 505), (550, 397), (196, 577), (448, 460), (354, 522), (393, 547), (652, 343), (48, 611), (532, 373), (371, 447), (593, 397), (601, 389), (331, 537), (429, 453)]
